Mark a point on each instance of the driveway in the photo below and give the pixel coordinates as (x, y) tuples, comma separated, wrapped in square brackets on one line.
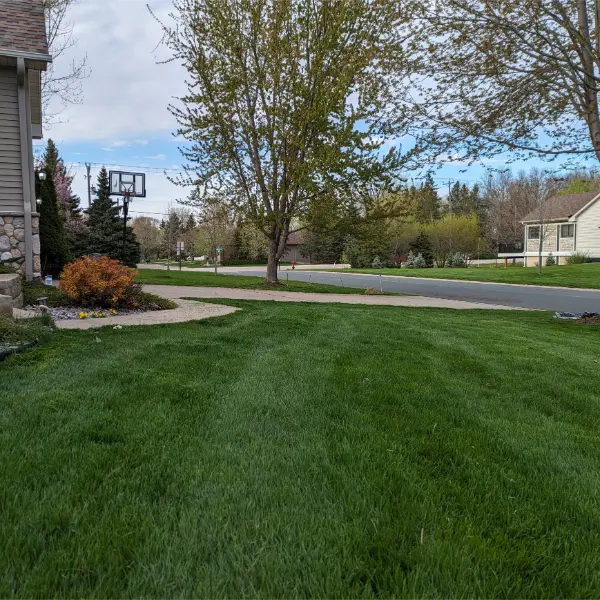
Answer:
[(518, 296)]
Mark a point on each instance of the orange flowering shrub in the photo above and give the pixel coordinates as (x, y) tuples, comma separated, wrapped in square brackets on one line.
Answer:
[(101, 282)]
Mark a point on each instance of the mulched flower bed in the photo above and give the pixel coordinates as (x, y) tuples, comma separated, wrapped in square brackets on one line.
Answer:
[(71, 313)]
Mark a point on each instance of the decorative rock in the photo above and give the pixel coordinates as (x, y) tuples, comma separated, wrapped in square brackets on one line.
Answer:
[(21, 247), (8, 220), (35, 222), (16, 253), (9, 229), (20, 235), (19, 223), (37, 264), (1, 229), (6, 306), (1, 220), (6, 256), (36, 244), (5, 244), (18, 301)]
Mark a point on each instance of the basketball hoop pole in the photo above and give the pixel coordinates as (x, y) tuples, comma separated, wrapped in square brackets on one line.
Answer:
[(126, 197)]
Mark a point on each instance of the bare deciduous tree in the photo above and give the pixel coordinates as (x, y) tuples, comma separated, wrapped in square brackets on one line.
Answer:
[(61, 83), (507, 75)]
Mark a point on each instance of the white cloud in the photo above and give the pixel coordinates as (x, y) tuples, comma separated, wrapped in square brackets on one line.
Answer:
[(156, 157), (127, 93)]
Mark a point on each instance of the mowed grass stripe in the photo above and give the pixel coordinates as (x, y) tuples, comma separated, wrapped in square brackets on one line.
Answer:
[(207, 279), (305, 451), (585, 276)]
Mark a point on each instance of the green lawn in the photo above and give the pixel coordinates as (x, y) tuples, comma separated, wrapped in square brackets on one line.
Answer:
[(582, 276), (305, 451), (208, 279)]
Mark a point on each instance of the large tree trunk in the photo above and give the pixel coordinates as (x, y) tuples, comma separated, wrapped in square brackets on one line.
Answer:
[(272, 263)]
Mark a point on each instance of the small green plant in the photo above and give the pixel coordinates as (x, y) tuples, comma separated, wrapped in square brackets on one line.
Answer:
[(34, 290), (19, 333), (550, 260), (578, 258)]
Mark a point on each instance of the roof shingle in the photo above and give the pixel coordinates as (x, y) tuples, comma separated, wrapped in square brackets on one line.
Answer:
[(560, 207), (22, 26)]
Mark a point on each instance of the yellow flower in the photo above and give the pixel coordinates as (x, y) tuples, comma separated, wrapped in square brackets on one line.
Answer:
[(113, 311), (83, 315)]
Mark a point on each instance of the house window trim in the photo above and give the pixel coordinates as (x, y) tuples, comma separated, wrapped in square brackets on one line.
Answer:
[(567, 237), (530, 228)]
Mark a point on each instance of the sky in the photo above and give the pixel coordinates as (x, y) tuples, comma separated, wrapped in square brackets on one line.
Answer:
[(123, 120)]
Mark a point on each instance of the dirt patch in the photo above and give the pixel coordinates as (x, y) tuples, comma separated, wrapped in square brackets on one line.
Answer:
[(595, 320), (372, 291)]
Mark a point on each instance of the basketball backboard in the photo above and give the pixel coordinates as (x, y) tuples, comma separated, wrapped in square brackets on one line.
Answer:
[(132, 184)]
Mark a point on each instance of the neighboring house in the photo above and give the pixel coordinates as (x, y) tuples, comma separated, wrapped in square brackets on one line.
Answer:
[(23, 56), (567, 224), (294, 249)]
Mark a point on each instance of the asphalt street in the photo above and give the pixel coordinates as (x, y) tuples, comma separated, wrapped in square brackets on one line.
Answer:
[(525, 296)]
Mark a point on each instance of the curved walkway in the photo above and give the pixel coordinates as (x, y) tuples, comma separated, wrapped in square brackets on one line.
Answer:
[(182, 291), (188, 310)]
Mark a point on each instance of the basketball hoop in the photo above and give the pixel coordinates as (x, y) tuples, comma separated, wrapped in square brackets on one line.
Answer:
[(127, 189)]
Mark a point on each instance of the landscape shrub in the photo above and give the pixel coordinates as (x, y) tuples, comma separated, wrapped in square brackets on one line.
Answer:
[(550, 260), (416, 261), (457, 261), (34, 290), (101, 282), (422, 245), (578, 258), (377, 263)]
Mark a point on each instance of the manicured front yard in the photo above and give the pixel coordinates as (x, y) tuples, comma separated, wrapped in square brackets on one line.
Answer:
[(582, 276), (208, 279), (305, 451)]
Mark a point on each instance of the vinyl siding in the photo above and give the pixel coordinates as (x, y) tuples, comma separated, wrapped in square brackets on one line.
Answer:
[(11, 179), (587, 234)]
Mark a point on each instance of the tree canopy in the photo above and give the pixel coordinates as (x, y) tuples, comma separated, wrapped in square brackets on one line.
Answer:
[(504, 75), (288, 100)]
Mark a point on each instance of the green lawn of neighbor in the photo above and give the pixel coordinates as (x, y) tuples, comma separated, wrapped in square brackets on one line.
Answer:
[(582, 276), (304, 451), (208, 279)]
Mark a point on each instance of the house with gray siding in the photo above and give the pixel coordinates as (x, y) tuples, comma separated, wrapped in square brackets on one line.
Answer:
[(564, 224), (23, 58)]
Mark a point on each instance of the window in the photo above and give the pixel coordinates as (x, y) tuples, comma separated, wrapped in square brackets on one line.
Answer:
[(533, 233), (567, 231)]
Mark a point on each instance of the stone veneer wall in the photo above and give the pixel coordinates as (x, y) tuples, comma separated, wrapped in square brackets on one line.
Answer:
[(10, 285), (12, 242)]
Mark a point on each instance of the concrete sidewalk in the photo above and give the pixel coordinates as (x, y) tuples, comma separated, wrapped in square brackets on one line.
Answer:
[(182, 291)]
